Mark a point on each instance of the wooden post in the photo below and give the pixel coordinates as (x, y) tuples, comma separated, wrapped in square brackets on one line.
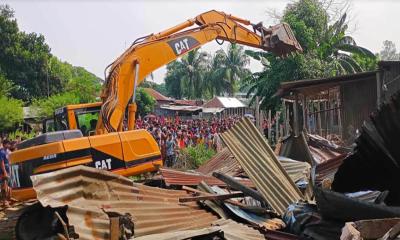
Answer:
[(269, 126), (305, 112), (258, 113), (326, 118), (340, 117), (319, 117), (277, 115), (287, 127), (296, 115), (378, 88)]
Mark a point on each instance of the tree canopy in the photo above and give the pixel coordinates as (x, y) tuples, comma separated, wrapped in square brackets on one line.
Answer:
[(328, 51), (201, 75), (389, 51), (145, 102)]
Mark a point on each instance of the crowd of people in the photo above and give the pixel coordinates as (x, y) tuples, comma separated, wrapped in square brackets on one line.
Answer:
[(173, 134)]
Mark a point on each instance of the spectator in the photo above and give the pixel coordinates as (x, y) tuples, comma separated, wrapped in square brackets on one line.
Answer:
[(170, 146), (5, 173), (185, 133)]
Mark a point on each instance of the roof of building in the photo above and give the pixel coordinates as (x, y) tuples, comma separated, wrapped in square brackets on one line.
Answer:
[(156, 95), (181, 108), (224, 102), (320, 84), (188, 102)]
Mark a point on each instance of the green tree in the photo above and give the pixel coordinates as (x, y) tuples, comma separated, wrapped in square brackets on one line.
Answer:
[(45, 107), (389, 51), (145, 102), (84, 84), (173, 80), (6, 86), (338, 50), (185, 77), (328, 51), (26, 61), (159, 87), (228, 68), (11, 113)]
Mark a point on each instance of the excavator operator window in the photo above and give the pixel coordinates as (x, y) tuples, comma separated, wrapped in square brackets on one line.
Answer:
[(87, 121), (60, 120)]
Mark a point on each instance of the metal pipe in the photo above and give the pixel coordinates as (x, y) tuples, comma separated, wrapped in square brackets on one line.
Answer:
[(175, 29)]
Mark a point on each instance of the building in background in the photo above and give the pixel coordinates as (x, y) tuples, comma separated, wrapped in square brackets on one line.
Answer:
[(338, 105), (225, 106)]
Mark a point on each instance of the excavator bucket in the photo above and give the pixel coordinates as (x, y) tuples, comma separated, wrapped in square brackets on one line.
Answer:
[(280, 40)]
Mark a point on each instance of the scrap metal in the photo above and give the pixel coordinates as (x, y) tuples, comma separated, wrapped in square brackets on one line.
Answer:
[(374, 163), (226, 229), (92, 194), (368, 229), (260, 163), (181, 178), (262, 221), (222, 162)]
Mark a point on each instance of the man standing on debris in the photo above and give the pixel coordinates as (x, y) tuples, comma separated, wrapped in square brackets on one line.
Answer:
[(5, 172)]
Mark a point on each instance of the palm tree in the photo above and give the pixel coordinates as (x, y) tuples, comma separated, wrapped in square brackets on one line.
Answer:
[(228, 69), (185, 77), (338, 49)]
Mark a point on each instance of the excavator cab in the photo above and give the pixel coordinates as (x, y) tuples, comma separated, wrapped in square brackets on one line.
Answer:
[(76, 116)]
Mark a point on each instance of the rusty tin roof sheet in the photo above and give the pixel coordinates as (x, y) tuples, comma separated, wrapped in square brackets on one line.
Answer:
[(231, 231), (176, 177), (91, 193), (259, 161), (223, 162)]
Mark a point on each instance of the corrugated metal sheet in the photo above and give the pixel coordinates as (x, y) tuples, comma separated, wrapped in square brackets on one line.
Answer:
[(222, 162), (230, 230), (375, 162), (358, 100), (259, 161), (391, 72), (328, 168), (175, 177), (236, 231), (205, 233), (224, 102), (260, 221), (91, 193), (296, 170)]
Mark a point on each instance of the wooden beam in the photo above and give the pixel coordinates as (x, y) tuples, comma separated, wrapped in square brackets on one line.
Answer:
[(392, 233), (114, 228), (212, 197)]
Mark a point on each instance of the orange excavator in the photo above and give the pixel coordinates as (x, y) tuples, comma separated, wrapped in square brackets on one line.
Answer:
[(112, 147)]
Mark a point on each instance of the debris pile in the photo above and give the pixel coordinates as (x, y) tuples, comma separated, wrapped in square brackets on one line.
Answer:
[(316, 190)]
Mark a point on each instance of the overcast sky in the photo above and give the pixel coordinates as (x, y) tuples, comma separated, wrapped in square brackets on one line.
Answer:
[(94, 33)]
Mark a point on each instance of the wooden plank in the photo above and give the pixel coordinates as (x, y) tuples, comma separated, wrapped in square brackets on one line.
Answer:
[(212, 197), (114, 228)]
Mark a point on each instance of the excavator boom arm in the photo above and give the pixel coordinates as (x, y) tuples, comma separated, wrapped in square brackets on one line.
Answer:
[(156, 50)]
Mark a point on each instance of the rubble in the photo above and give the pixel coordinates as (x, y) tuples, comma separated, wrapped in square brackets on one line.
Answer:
[(259, 161), (323, 191), (375, 162)]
